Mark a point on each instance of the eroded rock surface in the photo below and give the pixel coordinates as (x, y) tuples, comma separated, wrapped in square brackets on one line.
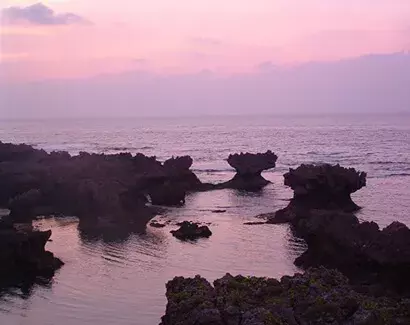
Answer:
[(319, 296), (325, 187), (249, 168)]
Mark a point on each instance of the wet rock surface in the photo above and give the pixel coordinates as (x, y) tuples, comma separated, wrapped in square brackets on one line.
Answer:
[(319, 296), (23, 255), (191, 231)]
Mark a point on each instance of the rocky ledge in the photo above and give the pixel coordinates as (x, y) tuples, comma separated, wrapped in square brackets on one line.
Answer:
[(319, 296), (326, 187), (23, 256), (249, 168)]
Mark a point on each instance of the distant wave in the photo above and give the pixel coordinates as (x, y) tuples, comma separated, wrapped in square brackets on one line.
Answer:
[(126, 148), (381, 162), (398, 174)]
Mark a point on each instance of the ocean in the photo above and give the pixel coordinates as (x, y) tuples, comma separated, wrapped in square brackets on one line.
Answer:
[(120, 278)]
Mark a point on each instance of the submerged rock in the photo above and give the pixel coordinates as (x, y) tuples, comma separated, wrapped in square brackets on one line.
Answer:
[(23, 255), (319, 296), (249, 168), (190, 231)]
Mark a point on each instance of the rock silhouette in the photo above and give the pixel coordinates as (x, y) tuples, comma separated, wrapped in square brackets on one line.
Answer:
[(23, 256), (249, 168), (327, 187), (191, 231)]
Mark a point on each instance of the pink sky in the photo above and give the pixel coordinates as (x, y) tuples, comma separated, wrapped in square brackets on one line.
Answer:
[(190, 35)]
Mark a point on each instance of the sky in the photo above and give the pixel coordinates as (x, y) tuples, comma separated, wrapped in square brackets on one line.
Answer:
[(126, 43)]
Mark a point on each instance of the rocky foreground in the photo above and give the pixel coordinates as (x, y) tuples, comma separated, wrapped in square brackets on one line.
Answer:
[(370, 287), (319, 296)]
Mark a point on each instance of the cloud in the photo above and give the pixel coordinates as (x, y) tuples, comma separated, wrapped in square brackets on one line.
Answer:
[(39, 14), (369, 84)]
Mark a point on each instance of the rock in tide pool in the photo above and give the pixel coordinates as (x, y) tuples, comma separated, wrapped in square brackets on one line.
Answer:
[(23, 255), (191, 231), (319, 296)]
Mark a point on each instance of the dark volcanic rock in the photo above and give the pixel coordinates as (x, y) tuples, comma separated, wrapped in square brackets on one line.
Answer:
[(167, 194), (190, 231), (249, 168), (367, 255), (22, 255), (319, 296), (89, 185), (326, 187)]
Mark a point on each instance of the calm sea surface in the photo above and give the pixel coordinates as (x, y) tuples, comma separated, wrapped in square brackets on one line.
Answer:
[(120, 278)]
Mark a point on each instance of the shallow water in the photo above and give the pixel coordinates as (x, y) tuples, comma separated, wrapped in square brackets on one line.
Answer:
[(120, 278)]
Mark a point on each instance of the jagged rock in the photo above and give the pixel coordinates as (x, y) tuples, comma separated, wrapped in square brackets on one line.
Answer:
[(366, 254), (22, 255), (190, 231), (319, 296), (326, 187), (249, 168), (89, 185)]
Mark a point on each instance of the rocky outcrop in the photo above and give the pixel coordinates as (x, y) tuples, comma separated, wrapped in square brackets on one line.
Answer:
[(23, 256), (167, 194), (326, 187), (319, 296), (378, 259), (191, 231), (35, 182), (249, 168)]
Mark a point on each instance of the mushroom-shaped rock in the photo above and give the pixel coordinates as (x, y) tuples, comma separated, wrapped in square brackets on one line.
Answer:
[(249, 168), (190, 231), (326, 187)]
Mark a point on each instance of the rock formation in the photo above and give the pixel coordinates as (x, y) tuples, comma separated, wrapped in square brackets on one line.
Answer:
[(380, 259), (325, 187), (22, 255), (319, 296), (191, 231), (35, 182), (249, 168)]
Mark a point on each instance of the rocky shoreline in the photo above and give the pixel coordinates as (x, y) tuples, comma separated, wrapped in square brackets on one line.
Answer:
[(355, 272)]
